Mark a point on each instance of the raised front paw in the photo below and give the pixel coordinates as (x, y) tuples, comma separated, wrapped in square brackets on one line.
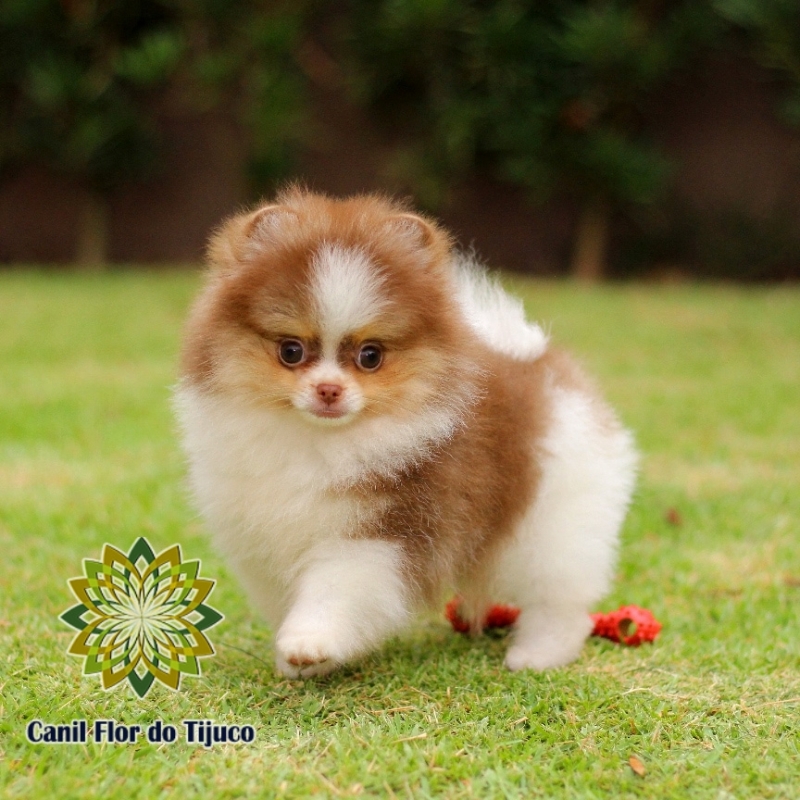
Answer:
[(304, 652)]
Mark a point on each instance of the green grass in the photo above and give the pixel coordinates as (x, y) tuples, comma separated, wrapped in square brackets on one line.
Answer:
[(707, 378)]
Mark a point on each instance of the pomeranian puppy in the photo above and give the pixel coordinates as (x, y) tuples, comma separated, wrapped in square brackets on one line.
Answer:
[(370, 421)]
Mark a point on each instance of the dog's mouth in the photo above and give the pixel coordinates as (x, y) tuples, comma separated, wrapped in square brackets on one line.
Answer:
[(315, 409), (329, 413)]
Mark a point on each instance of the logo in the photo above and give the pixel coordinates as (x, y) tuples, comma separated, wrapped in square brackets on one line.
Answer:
[(141, 617)]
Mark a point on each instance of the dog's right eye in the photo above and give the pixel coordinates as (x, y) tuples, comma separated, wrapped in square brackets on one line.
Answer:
[(291, 352)]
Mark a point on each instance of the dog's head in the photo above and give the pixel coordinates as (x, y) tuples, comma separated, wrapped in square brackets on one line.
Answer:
[(331, 309)]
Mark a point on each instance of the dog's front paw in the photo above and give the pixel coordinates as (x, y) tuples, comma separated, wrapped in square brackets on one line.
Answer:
[(541, 656), (548, 642), (304, 652), (308, 671)]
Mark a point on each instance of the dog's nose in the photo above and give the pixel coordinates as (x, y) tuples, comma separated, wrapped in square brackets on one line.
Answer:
[(329, 392)]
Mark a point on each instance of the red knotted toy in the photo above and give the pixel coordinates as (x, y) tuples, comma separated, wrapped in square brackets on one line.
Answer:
[(497, 617), (628, 625)]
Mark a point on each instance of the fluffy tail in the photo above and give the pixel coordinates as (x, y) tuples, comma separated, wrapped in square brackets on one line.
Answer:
[(494, 315)]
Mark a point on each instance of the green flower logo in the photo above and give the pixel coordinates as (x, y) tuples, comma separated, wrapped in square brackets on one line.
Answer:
[(141, 617)]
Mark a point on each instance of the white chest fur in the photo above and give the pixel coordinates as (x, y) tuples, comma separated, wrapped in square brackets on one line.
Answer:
[(263, 488)]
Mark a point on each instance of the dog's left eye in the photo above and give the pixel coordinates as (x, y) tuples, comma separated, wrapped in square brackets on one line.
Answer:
[(369, 357)]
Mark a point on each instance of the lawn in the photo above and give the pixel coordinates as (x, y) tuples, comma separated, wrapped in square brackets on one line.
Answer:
[(709, 380)]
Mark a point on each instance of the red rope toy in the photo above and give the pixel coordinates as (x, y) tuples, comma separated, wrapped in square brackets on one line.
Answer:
[(628, 625)]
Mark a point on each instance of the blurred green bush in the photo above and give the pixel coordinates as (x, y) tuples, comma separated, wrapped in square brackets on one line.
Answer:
[(553, 94), (84, 85)]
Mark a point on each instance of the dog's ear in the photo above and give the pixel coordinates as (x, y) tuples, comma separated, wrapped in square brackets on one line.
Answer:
[(241, 237), (412, 228), (422, 236), (267, 224)]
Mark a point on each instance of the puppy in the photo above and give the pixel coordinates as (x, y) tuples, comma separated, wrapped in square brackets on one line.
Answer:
[(370, 421)]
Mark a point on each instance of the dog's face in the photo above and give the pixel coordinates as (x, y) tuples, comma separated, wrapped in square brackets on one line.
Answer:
[(333, 310)]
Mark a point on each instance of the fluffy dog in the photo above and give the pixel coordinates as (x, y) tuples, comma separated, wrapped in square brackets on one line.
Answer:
[(371, 421)]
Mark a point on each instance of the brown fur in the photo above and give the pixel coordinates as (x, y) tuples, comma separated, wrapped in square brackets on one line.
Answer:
[(451, 512)]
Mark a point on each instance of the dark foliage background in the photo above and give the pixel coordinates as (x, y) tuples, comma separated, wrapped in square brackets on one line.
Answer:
[(555, 100)]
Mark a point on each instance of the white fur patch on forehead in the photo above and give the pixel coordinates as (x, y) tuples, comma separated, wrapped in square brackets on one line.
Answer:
[(346, 290)]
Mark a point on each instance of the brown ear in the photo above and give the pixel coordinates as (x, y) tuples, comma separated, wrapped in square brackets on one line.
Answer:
[(413, 228), (420, 235), (267, 224), (240, 237)]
